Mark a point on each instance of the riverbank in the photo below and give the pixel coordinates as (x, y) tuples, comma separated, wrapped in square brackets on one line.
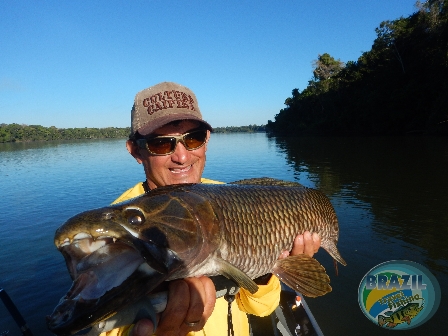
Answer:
[(27, 133)]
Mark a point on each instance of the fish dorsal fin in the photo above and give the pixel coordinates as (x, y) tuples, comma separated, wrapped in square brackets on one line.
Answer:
[(267, 181), (303, 274), (235, 274)]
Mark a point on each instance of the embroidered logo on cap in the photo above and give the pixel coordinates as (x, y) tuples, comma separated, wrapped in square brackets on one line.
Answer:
[(168, 99)]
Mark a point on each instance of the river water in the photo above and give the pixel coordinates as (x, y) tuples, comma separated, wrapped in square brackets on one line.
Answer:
[(390, 195)]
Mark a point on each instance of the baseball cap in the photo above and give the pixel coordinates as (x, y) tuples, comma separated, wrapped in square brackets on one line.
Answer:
[(161, 104)]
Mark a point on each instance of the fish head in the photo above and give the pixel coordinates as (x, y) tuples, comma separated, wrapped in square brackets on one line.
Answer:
[(117, 254), (173, 219)]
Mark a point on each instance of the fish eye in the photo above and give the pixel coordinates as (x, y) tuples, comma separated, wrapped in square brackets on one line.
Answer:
[(135, 216)]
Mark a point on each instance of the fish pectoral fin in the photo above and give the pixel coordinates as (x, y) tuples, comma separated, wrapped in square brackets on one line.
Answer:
[(231, 272), (303, 274)]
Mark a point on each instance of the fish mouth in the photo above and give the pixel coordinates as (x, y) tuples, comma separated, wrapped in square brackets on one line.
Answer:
[(99, 265), (108, 273)]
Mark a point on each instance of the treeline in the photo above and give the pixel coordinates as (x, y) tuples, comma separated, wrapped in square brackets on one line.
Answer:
[(17, 133), (245, 129), (398, 87)]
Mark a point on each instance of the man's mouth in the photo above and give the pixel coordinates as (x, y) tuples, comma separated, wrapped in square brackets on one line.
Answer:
[(180, 170)]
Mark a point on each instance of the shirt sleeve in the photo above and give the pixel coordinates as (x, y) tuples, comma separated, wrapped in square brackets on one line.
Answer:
[(135, 191), (263, 302)]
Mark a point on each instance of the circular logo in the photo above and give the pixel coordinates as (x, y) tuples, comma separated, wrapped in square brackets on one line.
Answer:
[(399, 294)]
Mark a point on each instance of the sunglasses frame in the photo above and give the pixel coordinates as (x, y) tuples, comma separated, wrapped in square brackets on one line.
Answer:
[(143, 143)]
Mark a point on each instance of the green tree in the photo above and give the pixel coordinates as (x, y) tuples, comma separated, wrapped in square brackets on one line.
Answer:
[(326, 67)]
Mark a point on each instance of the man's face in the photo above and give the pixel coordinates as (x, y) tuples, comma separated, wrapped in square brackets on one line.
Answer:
[(181, 166)]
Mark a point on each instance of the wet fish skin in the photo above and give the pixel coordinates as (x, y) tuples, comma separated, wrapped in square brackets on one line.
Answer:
[(187, 230), (262, 221)]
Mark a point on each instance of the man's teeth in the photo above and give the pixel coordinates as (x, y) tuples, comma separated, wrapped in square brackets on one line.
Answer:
[(180, 170)]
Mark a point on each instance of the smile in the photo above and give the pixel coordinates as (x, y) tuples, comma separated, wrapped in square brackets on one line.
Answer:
[(180, 170)]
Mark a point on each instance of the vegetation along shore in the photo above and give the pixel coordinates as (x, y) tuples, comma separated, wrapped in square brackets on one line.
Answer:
[(23, 133)]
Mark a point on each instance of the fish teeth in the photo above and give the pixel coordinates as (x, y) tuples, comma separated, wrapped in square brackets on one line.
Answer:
[(89, 245), (81, 235), (65, 242)]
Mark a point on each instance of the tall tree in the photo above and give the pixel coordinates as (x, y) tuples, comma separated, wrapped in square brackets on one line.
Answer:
[(326, 66)]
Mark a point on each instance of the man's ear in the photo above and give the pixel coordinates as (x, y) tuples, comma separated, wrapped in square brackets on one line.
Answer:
[(134, 150), (208, 137)]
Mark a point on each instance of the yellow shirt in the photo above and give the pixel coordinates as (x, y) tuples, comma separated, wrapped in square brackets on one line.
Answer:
[(262, 303)]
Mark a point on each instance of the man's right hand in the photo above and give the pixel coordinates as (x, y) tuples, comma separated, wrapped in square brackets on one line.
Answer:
[(190, 301)]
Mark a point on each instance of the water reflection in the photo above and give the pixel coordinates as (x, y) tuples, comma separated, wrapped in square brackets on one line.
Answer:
[(390, 197), (402, 179)]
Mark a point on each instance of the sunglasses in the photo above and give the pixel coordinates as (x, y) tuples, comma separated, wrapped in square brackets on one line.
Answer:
[(166, 144)]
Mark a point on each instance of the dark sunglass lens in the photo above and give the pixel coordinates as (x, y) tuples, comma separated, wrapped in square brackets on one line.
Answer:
[(161, 145), (195, 139)]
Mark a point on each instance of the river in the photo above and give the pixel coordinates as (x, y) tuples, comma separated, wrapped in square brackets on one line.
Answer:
[(390, 195)]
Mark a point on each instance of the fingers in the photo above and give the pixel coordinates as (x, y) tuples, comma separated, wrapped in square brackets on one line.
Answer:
[(284, 255), (306, 243), (190, 304), (142, 328), (200, 306), (316, 242), (298, 246)]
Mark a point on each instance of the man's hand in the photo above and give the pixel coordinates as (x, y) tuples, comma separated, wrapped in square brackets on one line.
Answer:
[(305, 243), (192, 300), (190, 304)]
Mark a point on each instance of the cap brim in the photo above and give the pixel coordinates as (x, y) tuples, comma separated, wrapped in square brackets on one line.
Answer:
[(162, 121)]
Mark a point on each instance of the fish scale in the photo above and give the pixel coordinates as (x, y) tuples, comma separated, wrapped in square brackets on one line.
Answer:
[(237, 230), (249, 222)]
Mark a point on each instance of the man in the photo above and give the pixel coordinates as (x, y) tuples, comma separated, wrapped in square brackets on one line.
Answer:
[(169, 138)]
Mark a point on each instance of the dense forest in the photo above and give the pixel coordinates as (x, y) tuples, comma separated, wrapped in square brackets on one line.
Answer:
[(245, 129), (400, 86), (21, 133), (18, 133)]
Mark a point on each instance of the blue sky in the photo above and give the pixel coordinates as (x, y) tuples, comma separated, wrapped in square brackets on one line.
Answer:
[(80, 63)]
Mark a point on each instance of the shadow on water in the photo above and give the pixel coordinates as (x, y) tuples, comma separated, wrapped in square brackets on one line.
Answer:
[(404, 181), (390, 194)]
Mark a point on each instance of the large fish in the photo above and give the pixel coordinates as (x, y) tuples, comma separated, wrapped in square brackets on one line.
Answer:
[(118, 254)]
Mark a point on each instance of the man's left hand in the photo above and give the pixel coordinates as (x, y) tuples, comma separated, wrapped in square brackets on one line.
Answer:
[(305, 243)]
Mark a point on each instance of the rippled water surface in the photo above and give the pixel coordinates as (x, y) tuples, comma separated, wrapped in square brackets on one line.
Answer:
[(390, 195)]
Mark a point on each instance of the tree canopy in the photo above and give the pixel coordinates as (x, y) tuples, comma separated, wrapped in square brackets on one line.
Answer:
[(17, 133), (21, 133), (397, 87)]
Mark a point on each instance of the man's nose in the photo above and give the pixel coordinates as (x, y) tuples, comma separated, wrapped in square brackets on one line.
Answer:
[(180, 154)]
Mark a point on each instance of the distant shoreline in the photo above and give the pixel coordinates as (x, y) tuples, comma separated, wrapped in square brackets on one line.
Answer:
[(29, 133)]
